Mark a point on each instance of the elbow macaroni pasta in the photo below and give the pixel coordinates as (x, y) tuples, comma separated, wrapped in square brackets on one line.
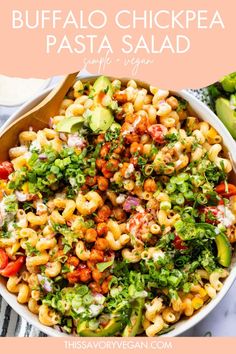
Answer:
[(94, 224)]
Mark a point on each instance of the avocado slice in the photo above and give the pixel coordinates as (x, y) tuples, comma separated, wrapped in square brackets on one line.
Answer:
[(135, 319), (70, 124), (229, 83), (101, 119), (227, 115), (115, 325), (102, 84), (224, 250)]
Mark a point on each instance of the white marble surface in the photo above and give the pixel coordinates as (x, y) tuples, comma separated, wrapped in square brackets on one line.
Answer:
[(220, 322)]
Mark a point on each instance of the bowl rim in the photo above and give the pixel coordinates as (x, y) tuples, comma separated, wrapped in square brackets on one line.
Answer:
[(184, 324)]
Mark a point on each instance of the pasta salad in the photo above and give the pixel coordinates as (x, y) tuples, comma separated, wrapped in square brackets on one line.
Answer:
[(117, 219)]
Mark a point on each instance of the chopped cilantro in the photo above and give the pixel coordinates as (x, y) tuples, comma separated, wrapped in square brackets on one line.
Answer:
[(172, 138), (182, 104)]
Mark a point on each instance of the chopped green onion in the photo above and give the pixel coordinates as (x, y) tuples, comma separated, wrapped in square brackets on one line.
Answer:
[(179, 199), (202, 199), (170, 187)]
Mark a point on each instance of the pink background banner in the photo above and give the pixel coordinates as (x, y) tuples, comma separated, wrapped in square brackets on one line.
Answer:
[(118, 345), (173, 44)]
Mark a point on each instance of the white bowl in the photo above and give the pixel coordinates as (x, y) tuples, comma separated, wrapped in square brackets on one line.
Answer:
[(203, 112)]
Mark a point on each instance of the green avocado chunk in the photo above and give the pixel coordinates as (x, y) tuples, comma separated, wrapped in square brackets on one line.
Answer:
[(229, 83), (223, 249), (69, 124), (101, 119), (135, 319), (114, 326), (227, 115), (102, 84)]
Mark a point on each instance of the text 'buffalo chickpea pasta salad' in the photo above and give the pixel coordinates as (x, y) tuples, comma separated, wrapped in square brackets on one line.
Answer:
[(117, 219)]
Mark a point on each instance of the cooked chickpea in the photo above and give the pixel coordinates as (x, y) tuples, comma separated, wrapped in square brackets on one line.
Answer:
[(119, 214), (91, 265), (130, 138), (96, 275), (95, 287), (112, 165), (96, 255), (101, 244), (118, 149), (141, 128), (103, 214), (106, 173), (100, 163), (102, 229), (90, 181), (130, 118), (105, 285), (124, 168), (100, 138), (102, 183), (85, 275), (150, 185), (91, 235), (105, 150), (134, 160), (121, 96), (136, 148), (126, 127), (72, 260)]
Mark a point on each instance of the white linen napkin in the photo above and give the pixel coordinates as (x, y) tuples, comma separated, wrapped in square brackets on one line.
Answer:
[(15, 91)]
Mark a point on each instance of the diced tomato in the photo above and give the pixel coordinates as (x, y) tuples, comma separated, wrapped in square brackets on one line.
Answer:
[(158, 132), (226, 190), (3, 259), (221, 202), (13, 268), (6, 168), (179, 244), (212, 214)]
